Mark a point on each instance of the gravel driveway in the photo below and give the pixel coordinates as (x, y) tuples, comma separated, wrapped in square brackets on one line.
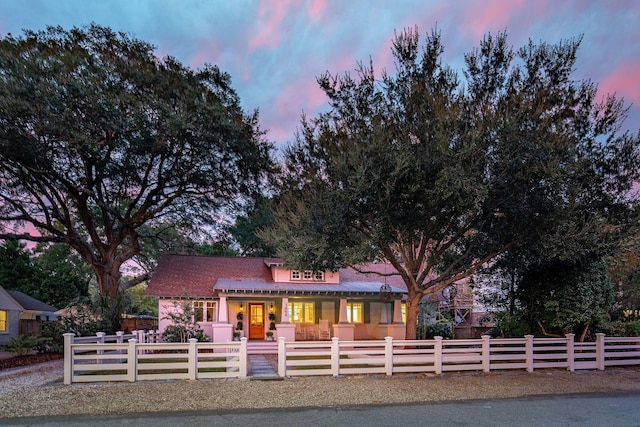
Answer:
[(38, 390)]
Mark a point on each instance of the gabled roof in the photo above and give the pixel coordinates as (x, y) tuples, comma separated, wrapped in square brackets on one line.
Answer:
[(30, 303), (194, 276), (203, 276), (7, 302)]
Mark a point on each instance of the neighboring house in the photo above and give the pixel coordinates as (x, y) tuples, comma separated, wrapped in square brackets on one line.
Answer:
[(9, 317), (306, 305), (20, 312)]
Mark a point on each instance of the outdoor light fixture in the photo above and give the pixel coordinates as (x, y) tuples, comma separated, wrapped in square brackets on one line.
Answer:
[(271, 307), (241, 306)]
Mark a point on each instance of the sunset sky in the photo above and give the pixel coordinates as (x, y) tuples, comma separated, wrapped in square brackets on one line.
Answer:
[(274, 49)]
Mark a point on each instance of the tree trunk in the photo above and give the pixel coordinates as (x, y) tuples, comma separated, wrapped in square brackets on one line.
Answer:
[(413, 308), (108, 276)]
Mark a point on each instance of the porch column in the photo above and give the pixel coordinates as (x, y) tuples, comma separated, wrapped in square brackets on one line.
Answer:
[(284, 316), (343, 311), (397, 311), (223, 316), (286, 329), (384, 314), (222, 330), (397, 328), (343, 330)]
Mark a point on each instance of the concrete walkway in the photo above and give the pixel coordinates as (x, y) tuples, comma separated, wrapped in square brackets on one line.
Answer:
[(261, 369)]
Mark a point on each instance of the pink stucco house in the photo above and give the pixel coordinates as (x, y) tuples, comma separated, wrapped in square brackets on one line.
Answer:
[(302, 305)]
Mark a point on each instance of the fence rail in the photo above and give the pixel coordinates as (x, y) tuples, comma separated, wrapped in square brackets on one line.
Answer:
[(92, 361)]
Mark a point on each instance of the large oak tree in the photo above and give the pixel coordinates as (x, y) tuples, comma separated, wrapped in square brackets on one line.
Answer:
[(440, 173), (100, 141)]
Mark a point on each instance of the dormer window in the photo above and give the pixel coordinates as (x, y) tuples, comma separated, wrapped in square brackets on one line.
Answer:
[(307, 275)]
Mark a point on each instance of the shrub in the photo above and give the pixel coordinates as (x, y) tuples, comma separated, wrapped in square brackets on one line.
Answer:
[(183, 327), (427, 332), (633, 329), (22, 345)]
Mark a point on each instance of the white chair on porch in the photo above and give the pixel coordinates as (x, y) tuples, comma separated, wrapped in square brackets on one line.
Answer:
[(323, 330)]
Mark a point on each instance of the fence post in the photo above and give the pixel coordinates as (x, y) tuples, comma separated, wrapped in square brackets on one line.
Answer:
[(528, 351), (100, 352), (193, 359), (282, 357), (132, 361), (244, 359), (571, 352), (68, 358), (388, 355), (486, 353), (335, 356), (600, 351), (437, 353), (120, 337)]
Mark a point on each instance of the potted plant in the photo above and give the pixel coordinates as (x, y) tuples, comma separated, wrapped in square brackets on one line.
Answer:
[(239, 324), (236, 336), (269, 335), (272, 321)]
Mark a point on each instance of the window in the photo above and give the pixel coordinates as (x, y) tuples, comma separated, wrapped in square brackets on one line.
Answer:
[(355, 312), (307, 275), (302, 312), (3, 321), (205, 311)]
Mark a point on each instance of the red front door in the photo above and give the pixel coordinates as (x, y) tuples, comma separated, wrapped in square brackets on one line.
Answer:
[(256, 321)]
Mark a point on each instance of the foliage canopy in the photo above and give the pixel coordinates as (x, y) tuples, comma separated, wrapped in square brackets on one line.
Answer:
[(100, 140), (440, 175)]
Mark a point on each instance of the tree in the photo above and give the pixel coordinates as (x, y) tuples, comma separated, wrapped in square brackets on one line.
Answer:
[(247, 228), (100, 141), (440, 176), (560, 297), (16, 269), (52, 274), (62, 275)]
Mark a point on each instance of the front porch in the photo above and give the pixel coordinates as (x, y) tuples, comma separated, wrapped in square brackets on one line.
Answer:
[(305, 319)]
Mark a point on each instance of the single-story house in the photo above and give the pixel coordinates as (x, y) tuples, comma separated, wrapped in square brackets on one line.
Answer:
[(18, 311), (251, 296)]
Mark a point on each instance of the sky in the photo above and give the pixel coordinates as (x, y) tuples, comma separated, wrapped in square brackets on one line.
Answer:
[(275, 49)]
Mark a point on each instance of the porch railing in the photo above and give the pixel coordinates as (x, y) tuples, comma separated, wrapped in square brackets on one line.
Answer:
[(133, 361)]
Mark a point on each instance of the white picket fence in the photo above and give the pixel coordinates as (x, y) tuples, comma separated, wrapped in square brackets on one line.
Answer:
[(95, 359), (133, 361)]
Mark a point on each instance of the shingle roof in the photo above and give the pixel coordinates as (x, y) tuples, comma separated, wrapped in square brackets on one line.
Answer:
[(196, 277), (30, 303)]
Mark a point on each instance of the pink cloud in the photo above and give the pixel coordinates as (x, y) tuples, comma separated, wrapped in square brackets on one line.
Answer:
[(300, 96), (316, 9), (624, 82), (305, 92), (207, 51), (270, 17), (495, 15)]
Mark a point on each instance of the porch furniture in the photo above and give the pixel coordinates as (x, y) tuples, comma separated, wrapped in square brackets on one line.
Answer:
[(310, 332), (323, 330), (300, 335)]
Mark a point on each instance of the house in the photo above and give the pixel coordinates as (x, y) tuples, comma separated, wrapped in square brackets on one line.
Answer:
[(20, 314), (247, 295)]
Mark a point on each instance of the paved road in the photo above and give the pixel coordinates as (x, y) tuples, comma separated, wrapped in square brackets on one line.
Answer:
[(569, 410)]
